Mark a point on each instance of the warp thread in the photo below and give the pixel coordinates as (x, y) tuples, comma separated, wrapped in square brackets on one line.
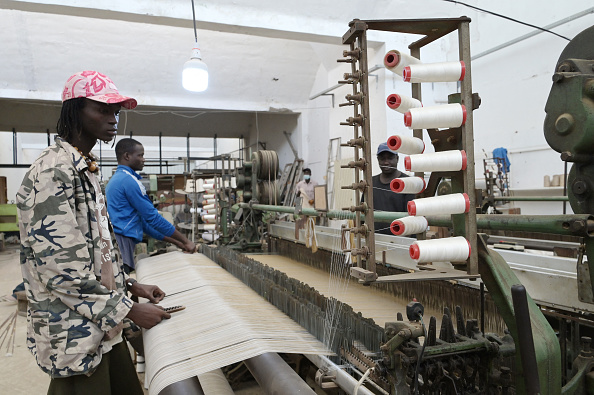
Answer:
[(456, 203), (435, 72), (402, 103), (434, 117), (437, 161), (450, 249), (409, 226), (406, 144), (395, 61), (408, 185)]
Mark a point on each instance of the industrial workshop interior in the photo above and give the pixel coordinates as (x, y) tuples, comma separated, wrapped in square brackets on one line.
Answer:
[(386, 197)]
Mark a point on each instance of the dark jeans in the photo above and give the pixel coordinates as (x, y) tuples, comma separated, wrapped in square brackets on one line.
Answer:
[(115, 375)]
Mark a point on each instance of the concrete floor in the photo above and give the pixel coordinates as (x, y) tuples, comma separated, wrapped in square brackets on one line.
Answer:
[(19, 373)]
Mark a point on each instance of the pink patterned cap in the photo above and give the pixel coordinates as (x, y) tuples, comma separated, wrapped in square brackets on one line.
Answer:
[(95, 86)]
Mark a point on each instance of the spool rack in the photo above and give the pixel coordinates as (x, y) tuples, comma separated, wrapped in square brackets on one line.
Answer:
[(448, 139)]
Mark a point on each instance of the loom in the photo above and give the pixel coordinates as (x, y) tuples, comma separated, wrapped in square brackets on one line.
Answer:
[(489, 324)]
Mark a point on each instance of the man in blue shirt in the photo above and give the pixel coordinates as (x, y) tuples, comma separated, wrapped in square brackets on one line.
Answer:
[(131, 210)]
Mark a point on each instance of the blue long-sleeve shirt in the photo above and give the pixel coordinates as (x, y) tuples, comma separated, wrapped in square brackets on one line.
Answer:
[(130, 209)]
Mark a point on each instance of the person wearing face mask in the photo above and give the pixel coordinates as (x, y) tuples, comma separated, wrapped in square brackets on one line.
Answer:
[(305, 188)]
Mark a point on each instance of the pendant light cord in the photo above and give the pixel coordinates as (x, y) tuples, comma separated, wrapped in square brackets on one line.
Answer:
[(194, 19)]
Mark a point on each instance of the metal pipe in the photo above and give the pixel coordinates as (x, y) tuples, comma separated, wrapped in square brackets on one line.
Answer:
[(532, 198), (189, 386), (525, 339), (344, 380), (572, 225), (275, 376), (325, 91), (534, 33)]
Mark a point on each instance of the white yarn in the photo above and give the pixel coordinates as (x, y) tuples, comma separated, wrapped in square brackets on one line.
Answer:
[(211, 211), (407, 185), (207, 202), (209, 227), (396, 61), (436, 161), (433, 117), (208, 206), (209, 217), (435, 72), (208, 186), (402, 103), (406, 144), (409, 226), (450, 249), (209, 181), (456, 203), (209, 196)]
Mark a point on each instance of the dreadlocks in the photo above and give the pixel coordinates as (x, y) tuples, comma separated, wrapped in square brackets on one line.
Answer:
[(125, 145), (70, 120)]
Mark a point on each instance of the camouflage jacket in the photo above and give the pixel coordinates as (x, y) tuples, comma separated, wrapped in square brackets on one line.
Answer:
[(69, 310)]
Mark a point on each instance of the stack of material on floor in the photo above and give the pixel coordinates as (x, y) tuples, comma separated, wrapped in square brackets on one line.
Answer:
[(224, 321)]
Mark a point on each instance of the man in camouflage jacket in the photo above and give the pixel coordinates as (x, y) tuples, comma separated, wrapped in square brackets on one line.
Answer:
[(77, 294)]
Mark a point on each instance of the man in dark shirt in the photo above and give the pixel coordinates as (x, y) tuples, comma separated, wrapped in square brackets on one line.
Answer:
[(383, 198)]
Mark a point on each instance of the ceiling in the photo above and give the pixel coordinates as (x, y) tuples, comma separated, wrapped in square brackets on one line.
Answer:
[(262, 57)]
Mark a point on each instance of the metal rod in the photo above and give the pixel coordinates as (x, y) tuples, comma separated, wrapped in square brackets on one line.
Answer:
[(344, 380), (189, 386), (482, 308), (564, 186), (534, 33), (553, 224), (325, 91), (532, 199), (188, 152), (525, 340), (160, 153), (14, 146), (275, 376)]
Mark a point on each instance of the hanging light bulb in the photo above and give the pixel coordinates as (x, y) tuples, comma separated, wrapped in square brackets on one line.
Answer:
[(195, 72)]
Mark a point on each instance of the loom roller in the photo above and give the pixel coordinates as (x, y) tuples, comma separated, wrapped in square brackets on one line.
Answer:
[(567, 130)]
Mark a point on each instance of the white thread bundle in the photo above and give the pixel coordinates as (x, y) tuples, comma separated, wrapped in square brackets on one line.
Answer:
[(456, 203), (436, 161), (209, 217), (450, 249), (209, 226), (208, 187), (395, 61), (409, 226), (402, 103), (408, 185), (211, 211), (209, 181), (208, 206), (208, 202), (406, 145), (208, 196), (433, 117), (435, 72)]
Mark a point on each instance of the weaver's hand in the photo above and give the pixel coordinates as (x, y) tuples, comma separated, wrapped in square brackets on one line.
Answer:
[(147, 315), (150, 292), (189, 247)]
